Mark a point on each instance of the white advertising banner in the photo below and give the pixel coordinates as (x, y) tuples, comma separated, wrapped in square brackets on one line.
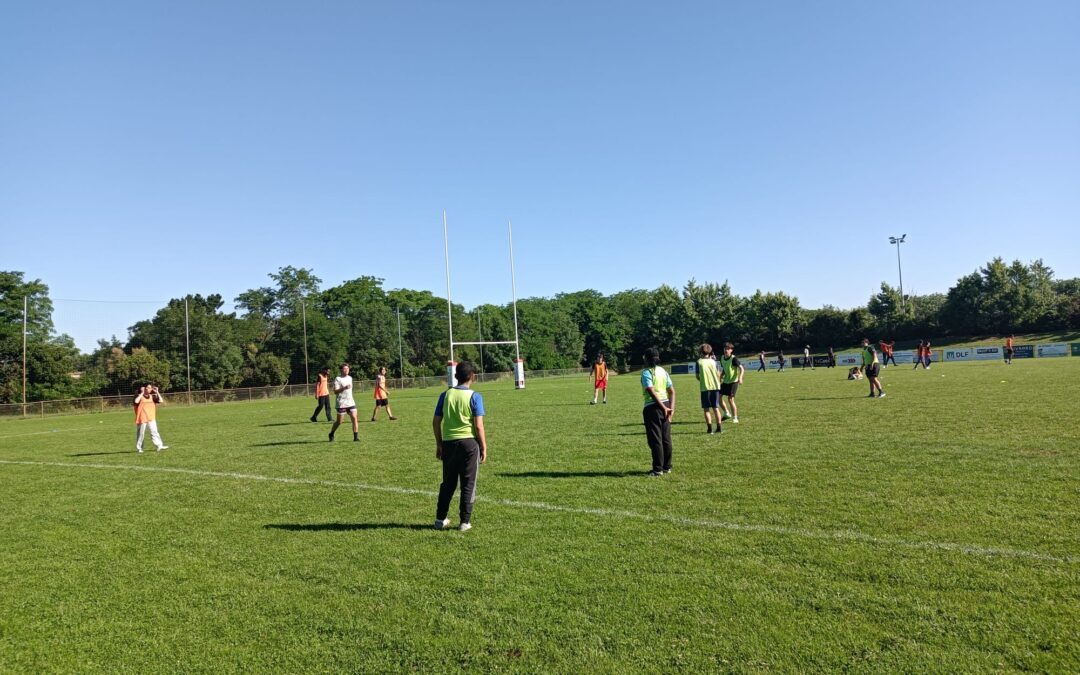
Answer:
[(753, 364), (849, 359), (989, 353), (1055, 349), (904, 356), (959, 354), (691, 368)]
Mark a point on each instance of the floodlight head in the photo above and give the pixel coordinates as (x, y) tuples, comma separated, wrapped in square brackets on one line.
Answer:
[(892, 240)]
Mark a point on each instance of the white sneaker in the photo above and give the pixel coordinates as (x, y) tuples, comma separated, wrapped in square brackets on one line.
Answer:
[(734, 420), (164, 447), (881, 395), (442, 524), (464, 527), (138, 450)]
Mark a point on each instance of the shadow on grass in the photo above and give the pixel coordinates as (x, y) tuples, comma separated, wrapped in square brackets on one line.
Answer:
[(275, 444), (571, 474), (831, 398), (95, 454), (344, 527), (285, 424)]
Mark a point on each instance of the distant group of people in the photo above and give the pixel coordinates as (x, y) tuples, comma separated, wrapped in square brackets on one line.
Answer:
[(346, 405)]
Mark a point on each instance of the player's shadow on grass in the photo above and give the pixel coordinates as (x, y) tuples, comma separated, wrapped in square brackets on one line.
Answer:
[(275, 444), (344, 527), (571, 474), (94, 454), (829, 398), (284, 424)]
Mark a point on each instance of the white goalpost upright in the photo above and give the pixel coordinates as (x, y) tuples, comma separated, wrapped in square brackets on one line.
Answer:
[(519, 364)]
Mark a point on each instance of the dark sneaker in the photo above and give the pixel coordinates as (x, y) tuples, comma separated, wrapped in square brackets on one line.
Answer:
[(654, 474), (331, 436)]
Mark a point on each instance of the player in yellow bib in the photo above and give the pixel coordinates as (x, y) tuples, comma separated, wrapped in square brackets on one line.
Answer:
[(731, 376), (709, 382), (659, 397)]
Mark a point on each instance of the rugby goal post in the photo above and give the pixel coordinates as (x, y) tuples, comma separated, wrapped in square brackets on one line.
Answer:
[(451, 364)]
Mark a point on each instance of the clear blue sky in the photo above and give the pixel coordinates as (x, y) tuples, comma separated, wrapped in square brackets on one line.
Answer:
[(149, 149)]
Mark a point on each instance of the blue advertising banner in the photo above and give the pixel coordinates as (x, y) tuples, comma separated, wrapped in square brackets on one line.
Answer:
[(1024, 352)]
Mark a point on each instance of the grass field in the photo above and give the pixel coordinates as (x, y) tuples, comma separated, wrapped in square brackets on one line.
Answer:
[(937, 529)]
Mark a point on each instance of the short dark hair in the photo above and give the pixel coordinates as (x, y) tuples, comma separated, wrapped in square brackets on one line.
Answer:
[(345, 364), (652, 356), (326, 369), (706, 348), (728, 345), (465, 370)]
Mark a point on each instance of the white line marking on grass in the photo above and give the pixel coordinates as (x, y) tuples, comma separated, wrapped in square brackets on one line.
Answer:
[(50, 431), (850, 536)]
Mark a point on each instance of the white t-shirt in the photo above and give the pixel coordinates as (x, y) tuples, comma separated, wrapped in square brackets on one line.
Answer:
[(344, 399)]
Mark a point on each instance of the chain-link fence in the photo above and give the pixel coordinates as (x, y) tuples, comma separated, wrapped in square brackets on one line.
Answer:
[(101, 404)]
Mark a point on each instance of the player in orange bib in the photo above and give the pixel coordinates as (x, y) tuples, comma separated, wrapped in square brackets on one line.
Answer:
[(146, 403), (382, 396), (599, 377), (322, 396)]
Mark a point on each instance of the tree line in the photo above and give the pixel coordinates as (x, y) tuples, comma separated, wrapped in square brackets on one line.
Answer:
[(262, 343)]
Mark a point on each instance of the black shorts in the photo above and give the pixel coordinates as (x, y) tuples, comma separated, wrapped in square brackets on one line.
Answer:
[(382, 402), (1008, 353), (710, 398), (873, 369), (729, 389), (342, 411)]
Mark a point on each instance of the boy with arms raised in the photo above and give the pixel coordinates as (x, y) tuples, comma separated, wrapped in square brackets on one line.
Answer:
[(146, 403), (461, 445), (709, 381)]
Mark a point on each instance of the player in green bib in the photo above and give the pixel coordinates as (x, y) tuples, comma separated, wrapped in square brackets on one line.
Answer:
[(731, 376), (709, 381), (872, 368), (659, 396), (461, 445)]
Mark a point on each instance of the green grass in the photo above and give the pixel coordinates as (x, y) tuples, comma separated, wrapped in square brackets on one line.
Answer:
[(935, 530)]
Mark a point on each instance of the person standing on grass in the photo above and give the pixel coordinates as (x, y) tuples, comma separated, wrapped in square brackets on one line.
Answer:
[(343, 387), (890, 349), (806, 360), (832, 357), (919, 351), (461, 445), (928, 356), (709, 381), (322, 395), (1009, 350), (731, 376), (659, 395), (780, 357), (599, 377), (761, 361), (146, 403), (872, 368), (382, 395)]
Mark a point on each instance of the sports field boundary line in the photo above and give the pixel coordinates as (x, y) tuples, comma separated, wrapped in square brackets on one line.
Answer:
[(847, 536)]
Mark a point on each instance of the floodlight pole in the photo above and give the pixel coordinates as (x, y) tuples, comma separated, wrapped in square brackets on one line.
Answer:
[(24, 314), (187, 347), (449, 305), (303, 312), (899, 240)]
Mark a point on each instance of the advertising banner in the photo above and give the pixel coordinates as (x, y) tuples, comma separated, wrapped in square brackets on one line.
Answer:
[(681, 368), (1024, 352), (1054, 349), (1076, 349), (904, 356), (821, 361), (959, 354), (849, 359), (989, 353)]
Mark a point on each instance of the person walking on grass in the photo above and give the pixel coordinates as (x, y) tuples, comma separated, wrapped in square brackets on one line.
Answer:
[(382, 395), (761, 361), (890, 353), (709, 381), (659, 395), (832, 357), (806, 360), (731, 376), (919, 351), (322, 395), (343, 387), (460, 444), (1009, 350), (872, 368), (599, 378), (928, 356), (780, 357), (146, 403)]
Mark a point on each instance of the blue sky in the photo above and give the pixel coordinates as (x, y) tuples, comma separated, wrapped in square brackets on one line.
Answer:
[(149, 150)]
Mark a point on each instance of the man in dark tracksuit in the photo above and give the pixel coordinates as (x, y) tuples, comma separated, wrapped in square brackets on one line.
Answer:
[(659, 400), (460, 443)]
